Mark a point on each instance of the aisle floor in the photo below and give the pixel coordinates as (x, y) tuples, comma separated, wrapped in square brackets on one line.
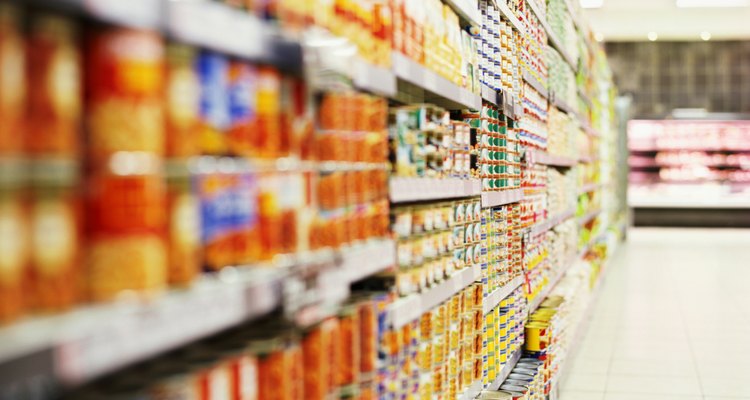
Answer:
[(672, 320)]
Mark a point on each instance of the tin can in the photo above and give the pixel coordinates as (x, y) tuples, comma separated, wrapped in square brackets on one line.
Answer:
[(56, 270), (14, 241), (182, 102), (12, 83), (183, 225), (54, 87), (125, 81)]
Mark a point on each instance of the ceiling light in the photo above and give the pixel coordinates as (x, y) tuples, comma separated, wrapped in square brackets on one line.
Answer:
[(652, 36), (711, 3), (706, 36), (592, 3), (599, 37)]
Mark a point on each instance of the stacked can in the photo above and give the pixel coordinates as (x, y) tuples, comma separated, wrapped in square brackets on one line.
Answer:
[(503, 334), (525, 381), (514, 254), (127, 250), (490, 64), (532, 127), (534, 203), (533, 60), (492, 144)]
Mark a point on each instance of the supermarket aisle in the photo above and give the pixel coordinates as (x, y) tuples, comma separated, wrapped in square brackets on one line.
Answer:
[(672, 322)]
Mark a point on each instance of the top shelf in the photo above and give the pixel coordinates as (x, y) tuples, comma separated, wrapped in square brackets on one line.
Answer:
[(552, 37), (447, 94), (467, 9)]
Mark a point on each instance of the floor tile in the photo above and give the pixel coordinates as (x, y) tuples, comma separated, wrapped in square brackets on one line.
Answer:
[(653, 384), (581, 395), (586, 382), (633, 396), (726, 387)]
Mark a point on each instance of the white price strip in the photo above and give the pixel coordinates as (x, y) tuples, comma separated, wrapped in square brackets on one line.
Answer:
[(137, 13)]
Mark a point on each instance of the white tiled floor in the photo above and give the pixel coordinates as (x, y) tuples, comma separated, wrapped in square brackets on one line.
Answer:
[(672, 321)]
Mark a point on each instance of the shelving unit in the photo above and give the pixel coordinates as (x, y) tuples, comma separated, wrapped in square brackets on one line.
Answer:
[(410, 308), (493, 299), (87, 343), (405, 190), (441, 91), (503, 375), (78, 347), (541, 157), (550, 223), (500, 198)]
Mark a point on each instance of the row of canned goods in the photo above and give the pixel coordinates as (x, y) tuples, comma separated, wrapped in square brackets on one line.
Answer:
[(440, 354), (499, 59), (131, 164), (338, 358), (497, 148), (425, 142), (503, 247), (503, 334), (435, 240)]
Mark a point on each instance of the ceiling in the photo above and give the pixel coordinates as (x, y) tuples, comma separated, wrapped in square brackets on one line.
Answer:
[(632, 20)]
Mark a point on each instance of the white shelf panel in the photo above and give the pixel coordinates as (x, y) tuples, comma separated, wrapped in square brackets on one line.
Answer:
[(707, 202), (506, 12), (564, 106), (472, 392), (536, 84), (468, 9), (589, 188), (495, 199), (136, 13), (489, 94), (542, 157), (375, 79), (551, 222), (492, 300), (404, 190), (512, 361), (588, 217), (414, 73), (410, 308)]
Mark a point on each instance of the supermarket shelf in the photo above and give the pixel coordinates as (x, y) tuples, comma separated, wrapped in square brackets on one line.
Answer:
[(551, 222), (468, 9), (489, 94), (586, 159), (558, 45), (506, 12), (448, 94), (404, 190), (589, 216), (76, 347), (512, 361), (563, 106), (550, 286), (589, 188), (473, 391), (410, 308), (219, 27), (135, 13), (494, 199), (586, 99), (542, 157), (589, 129), (494, 298), (375, 79), (535, 83)]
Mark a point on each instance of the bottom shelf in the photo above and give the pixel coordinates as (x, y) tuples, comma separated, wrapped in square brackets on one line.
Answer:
[(512, 361)]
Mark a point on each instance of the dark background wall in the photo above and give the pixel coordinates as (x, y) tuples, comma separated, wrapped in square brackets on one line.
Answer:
[(662, 76)]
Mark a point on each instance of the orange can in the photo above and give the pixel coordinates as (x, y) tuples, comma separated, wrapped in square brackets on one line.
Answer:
[(125, 81), (14, 244), (182, 102), (12, 83), (55, 89)]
